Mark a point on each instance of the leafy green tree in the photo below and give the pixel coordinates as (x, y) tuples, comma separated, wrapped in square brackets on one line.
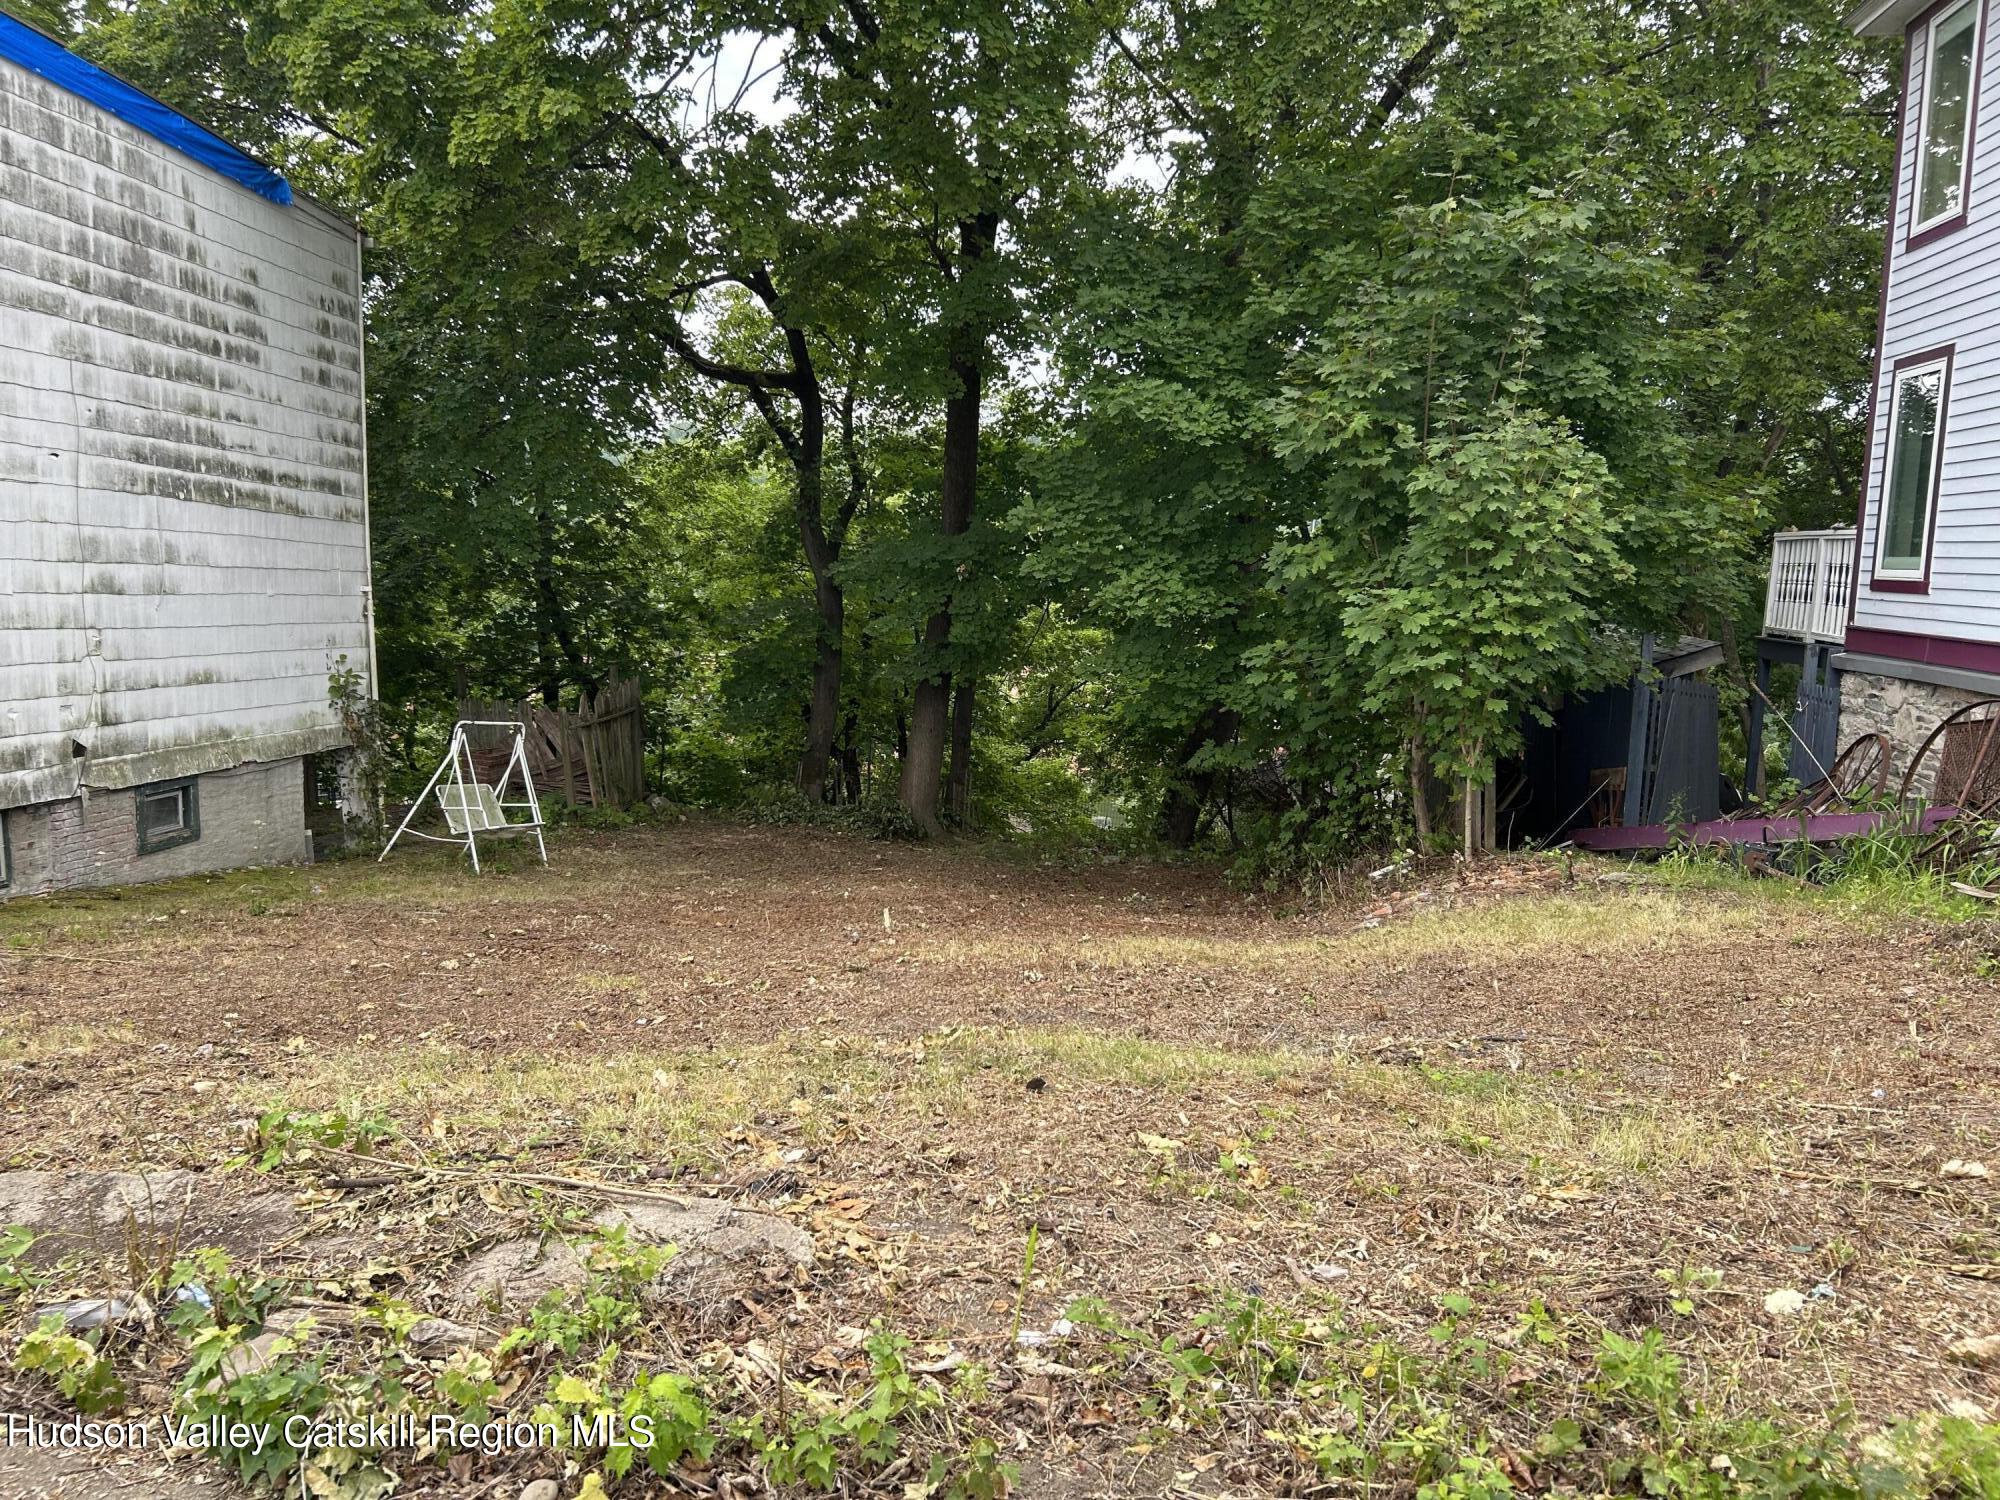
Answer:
[(1768, 128), (55, 17), (508, 368), (1364, 374), (968, 122), (1354, 321)]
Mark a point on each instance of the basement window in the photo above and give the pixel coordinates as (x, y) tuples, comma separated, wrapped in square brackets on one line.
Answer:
[(169, 814), (1944, 151)]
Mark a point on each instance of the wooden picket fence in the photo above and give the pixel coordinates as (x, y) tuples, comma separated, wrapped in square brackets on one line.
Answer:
[(593, 755)]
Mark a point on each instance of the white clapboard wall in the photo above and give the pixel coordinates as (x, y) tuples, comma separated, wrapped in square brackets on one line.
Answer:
[(183, 520)]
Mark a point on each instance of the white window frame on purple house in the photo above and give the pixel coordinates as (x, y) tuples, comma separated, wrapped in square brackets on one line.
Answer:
[(1953, 216), (1906, 372)]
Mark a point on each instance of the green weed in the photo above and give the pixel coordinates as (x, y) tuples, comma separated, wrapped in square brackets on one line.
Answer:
[(291, 1135), (86, 1378)]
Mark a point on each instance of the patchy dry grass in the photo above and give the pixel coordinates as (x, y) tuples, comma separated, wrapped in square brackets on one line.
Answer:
[(1645, 920), (1551, 1119), (43, 1044), (159, 911), (677, 1106)]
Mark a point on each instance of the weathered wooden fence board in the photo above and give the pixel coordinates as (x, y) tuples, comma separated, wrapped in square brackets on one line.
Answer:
[(591, 756), (1816, 731)]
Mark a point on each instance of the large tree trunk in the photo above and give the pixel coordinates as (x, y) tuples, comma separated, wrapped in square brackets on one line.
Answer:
[(1189, 791), (807, 451), (923, 757), (959, 796), (805, 446), (850, 757), (930, 709), (823, 544), (823, 714)]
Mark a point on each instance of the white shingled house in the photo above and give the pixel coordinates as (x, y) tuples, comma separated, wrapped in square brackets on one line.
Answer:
[(184, 565), (1902, 611)]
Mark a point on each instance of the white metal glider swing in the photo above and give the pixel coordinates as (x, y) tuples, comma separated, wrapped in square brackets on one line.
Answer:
[(470, 806)]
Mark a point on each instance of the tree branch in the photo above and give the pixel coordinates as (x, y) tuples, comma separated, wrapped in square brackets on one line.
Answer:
[(780, 428), (1186, 112), (1406, 78), (722, 370)]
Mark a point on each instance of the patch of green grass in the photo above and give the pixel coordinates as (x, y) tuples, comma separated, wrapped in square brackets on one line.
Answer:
[(162, 911), (1608, 922), (1523, 1115), (673, 1105), (1880, 877), (677, 1104), (1533, 1118)]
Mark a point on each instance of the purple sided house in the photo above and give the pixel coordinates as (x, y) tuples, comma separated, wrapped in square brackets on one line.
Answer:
[(1898, 621)]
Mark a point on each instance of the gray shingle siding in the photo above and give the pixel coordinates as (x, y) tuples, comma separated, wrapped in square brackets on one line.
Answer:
[(183, 540)]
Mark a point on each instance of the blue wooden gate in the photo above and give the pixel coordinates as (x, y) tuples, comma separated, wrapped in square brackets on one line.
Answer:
[(1815, 730), (1684, 771)]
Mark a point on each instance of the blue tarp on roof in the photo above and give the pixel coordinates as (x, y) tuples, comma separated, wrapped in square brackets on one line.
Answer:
[(21, 43)]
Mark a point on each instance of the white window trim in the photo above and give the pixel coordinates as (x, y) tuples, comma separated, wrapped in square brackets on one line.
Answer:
[(188, 789), (1923, 133), (1934, 481)]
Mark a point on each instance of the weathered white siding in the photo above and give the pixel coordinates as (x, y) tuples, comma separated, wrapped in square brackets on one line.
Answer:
[(183, 536), (1947, 292)]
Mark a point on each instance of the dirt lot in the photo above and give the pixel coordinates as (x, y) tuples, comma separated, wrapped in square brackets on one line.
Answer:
[(1586, 1101)]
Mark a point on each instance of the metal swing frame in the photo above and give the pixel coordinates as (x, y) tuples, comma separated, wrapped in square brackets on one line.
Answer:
[(469, 805)]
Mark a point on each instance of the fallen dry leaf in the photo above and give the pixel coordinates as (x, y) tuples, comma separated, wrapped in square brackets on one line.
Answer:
[(1984, 1350)]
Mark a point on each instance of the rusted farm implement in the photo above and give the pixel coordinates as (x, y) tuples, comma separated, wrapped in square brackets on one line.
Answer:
[(1948, 798)]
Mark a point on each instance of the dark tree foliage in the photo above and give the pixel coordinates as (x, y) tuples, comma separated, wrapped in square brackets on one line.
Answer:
[(1245, 416)]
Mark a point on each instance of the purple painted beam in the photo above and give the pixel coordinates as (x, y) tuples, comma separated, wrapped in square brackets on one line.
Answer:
[(1820, 828)]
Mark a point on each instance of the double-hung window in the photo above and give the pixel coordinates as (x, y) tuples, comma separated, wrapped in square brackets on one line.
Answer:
[(1944, 148), (1910, 483)]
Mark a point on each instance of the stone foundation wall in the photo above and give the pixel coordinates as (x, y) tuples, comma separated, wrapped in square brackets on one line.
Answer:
[(250, 815), (1905, 711)]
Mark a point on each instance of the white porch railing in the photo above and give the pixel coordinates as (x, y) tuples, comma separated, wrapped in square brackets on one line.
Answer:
[(1812, 583)]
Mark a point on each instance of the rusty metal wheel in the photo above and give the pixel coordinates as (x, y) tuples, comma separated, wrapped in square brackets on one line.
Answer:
[(1860, 773), (1958, 764)]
